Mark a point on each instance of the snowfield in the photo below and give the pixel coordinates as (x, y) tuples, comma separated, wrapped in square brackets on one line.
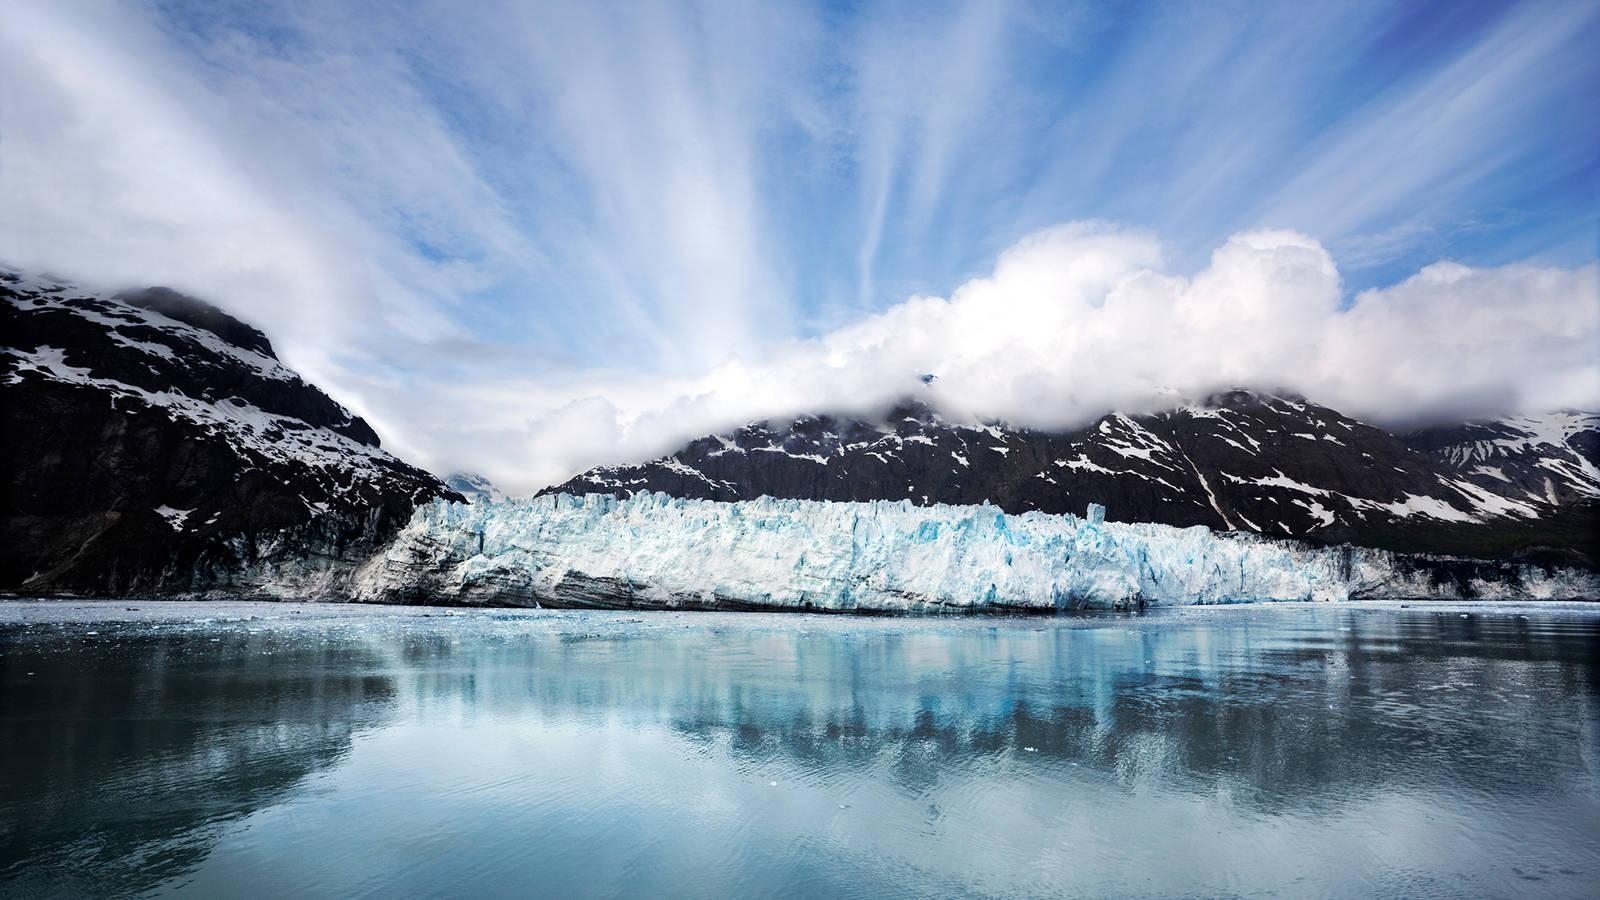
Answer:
[(652, 550)]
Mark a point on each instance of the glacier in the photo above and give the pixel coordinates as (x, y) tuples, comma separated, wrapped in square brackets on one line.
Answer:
[(657, 551)]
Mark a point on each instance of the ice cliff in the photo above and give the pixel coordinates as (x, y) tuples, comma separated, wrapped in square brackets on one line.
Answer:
[(652, 550)]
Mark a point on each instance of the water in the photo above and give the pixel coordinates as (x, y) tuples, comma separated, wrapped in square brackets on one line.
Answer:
[(329, 752)]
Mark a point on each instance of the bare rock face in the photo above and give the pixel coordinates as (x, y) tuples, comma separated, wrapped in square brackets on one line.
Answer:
[(1525, 488), (156, 445)]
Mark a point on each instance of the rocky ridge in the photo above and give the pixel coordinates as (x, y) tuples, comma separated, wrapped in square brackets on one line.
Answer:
[(1274, 464), (156, 445)]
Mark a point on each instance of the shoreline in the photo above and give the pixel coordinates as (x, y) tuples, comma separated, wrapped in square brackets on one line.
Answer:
[(70, 610)]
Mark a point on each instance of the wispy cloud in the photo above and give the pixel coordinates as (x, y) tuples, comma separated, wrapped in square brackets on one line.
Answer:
[(534, 236), (1495, 109)]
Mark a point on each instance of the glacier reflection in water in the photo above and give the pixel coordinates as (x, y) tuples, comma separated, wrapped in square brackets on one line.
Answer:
[(274, 750)]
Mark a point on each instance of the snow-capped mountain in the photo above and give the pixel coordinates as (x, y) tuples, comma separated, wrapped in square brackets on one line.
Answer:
[(155, 443), (1272, 464), (476, 488)]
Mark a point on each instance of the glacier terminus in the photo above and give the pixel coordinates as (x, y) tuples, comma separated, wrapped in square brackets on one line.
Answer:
[(655, 551)]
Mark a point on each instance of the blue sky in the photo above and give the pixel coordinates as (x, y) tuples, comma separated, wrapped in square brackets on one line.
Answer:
[(555, 204)]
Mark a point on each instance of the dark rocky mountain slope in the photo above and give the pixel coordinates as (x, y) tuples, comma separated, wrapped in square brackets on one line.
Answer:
[(1523, 488), (155, 444)]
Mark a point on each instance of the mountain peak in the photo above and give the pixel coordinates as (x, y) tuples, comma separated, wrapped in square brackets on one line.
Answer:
[(1243, 397), (165, 448), (192, 311)]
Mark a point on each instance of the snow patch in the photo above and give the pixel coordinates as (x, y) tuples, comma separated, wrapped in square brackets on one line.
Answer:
[(174, 517), (1430, 507)]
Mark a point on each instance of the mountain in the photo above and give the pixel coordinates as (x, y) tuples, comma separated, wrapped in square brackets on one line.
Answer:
[(155, 444), (1269, 463), (474, 487)]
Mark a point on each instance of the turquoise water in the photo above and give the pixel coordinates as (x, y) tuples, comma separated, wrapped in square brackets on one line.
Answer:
[(274, 750)]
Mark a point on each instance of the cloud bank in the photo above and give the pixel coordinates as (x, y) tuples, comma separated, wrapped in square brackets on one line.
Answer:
[(1081, 319)]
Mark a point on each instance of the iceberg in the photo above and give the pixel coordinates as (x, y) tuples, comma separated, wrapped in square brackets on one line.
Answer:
[(656, 551)]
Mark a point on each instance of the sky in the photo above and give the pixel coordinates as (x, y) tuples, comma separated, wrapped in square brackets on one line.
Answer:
[(527, 238)]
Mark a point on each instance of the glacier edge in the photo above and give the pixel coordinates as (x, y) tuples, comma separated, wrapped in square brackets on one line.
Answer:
[(656, 551)]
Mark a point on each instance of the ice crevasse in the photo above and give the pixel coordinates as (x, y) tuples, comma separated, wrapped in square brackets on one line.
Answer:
[(652, 550)]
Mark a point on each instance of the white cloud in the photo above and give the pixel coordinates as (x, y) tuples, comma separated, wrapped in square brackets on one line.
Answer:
[(1081, 319), (1453, 340)]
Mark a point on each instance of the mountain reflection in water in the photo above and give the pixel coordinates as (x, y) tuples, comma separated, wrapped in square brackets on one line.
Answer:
[(329, 752)]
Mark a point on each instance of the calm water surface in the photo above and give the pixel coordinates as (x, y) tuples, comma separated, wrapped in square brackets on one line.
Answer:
[(270, 751)]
